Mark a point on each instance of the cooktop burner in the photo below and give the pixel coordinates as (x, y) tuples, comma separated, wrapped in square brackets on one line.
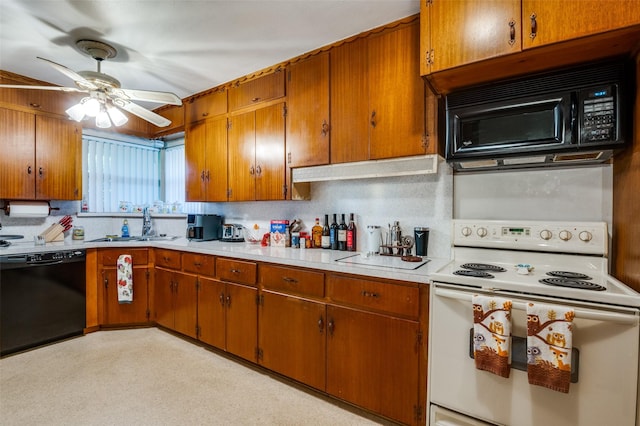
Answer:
[(572, 283), (567, 274), (473, 273), (483, 267)]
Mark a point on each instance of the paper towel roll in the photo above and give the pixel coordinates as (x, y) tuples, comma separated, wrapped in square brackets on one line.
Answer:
[(28, 208)]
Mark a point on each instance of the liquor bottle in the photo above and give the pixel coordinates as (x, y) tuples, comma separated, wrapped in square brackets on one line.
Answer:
[(352, 235), (316, 234), (326, 233), (333, 233), (342, 235)]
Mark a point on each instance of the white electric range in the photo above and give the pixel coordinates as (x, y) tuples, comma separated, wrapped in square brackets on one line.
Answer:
[(556, 263)]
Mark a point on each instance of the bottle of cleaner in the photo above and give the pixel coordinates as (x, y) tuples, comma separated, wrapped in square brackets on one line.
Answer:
[(125, 229)]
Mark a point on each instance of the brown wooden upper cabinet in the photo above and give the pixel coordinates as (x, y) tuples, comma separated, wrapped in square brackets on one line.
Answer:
[(206, 106), (461, 32), (256, 154), (257, 90), (206, 160), (378, 98), (308, 126), (42, 157)]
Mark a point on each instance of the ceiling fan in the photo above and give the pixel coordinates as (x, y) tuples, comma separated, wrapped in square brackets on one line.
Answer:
[(105, 93)]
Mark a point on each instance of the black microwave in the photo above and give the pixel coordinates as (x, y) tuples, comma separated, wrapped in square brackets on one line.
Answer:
[(572, 116)]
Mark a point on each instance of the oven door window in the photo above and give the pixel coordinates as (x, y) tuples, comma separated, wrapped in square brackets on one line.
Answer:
[(532, 124)]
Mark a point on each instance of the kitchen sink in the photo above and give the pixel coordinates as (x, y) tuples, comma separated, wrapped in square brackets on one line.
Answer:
[(135, 238)]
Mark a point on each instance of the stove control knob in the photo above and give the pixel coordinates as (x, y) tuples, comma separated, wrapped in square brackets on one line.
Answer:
[(545, 234), (586, 236), (565, 235), (466, 231), (482, 232)]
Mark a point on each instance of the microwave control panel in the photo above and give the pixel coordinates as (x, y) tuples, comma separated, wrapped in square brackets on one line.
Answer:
[(599, 115)]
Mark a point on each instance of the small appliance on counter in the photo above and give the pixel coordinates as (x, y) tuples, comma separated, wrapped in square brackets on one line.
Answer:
[(233, 232), (204, 227)]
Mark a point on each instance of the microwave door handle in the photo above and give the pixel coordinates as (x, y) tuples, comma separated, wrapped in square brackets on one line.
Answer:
[(574, 114)]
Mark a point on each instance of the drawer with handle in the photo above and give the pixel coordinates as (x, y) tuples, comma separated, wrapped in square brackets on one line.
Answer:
[(201, 264), (236, 271), (383, 296), (168, 259), (292, 280)]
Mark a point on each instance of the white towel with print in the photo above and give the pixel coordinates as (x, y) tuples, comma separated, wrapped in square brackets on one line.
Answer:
[(125, 278)]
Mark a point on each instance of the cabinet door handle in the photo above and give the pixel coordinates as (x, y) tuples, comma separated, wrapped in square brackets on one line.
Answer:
[(251, 170), (202, 176), (228, 300), (106, 282), (321, 325), (534, 26), (512, 33), (258, 170), (331, 327), (255, 99), (370, 294), (325, 128), (373, 118), (207, 176), (40, 171), (29, 170), (222, 299)]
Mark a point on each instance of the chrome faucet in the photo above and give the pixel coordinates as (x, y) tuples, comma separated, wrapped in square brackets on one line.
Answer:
[(146, 222)]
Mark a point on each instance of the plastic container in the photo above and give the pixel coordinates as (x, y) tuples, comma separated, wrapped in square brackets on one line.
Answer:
[(125, 229)]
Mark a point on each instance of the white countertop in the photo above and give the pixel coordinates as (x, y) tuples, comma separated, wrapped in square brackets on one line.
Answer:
[(307, 258)]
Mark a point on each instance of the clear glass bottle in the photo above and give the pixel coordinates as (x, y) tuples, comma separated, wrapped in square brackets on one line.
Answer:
[(316, 234)]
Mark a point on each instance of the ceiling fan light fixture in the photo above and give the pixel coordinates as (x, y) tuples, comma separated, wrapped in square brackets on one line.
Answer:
[(102, 119), (117, 117), (76, 112), (91, 106)]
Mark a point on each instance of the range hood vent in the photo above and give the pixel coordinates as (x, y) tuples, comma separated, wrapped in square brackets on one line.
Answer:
[(406, 166)]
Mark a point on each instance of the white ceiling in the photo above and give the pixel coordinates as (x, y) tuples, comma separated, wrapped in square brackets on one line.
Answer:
[(180, 46)]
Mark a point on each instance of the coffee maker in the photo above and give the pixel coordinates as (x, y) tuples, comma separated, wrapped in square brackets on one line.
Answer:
[(204, 227)]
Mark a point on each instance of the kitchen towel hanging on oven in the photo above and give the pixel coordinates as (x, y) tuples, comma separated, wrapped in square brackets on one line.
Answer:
[(125, 278), (492, 334), (549, 343)]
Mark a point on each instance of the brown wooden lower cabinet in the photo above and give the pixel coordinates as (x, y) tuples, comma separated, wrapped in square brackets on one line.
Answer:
[(112, 312), (137, 311), (228, 317), (372, 361), (292, 337), (175, 301)]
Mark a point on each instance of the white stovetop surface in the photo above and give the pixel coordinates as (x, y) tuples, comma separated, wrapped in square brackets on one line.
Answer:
[(511, 281), (307, 258)]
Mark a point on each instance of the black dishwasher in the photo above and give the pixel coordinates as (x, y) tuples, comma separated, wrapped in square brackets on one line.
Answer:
[(42, 298)]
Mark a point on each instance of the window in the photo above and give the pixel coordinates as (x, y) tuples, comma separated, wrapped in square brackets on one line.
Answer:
[(115, 171)]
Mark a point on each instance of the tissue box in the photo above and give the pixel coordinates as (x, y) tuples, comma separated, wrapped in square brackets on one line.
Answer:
[(280, 233)]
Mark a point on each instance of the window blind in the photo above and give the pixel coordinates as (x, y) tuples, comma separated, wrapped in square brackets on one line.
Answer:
[(115, 171)]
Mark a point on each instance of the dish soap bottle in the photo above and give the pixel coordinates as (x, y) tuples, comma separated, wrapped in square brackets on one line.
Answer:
[(125, 229)]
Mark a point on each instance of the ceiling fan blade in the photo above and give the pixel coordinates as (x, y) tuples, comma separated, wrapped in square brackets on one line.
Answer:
[(71, 74), (141, 112), (57, 88), (146, 96)]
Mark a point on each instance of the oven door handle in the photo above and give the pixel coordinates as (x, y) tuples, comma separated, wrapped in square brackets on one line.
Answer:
[(621, 318)]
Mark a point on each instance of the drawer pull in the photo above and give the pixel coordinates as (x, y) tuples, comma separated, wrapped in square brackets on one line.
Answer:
[(235, 271), (197, 264), (370, 294), (290, 280)]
